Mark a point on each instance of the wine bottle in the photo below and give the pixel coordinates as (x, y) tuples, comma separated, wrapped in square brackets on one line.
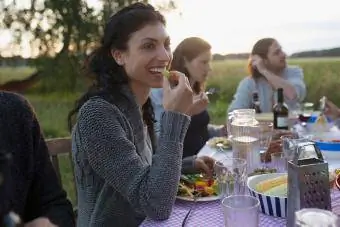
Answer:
[(280, 112), (256, 103)]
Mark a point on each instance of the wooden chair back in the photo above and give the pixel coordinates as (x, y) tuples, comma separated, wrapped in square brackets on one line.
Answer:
[(57, 147)]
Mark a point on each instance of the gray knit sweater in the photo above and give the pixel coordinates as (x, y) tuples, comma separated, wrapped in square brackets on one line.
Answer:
[(116, 185)]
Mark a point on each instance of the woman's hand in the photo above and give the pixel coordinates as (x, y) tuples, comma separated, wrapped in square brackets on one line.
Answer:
[(331, 110), (274, 147), (200, 103), (205, 164), (257, 62), (180, 97)]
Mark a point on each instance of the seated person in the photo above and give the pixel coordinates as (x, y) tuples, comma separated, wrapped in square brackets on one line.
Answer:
[(32, 188), (192, 57), (124, 173), (269, 71)]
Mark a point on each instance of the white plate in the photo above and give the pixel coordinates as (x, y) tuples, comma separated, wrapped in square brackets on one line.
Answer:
[(201, 199), (212, 146), (211, 152)]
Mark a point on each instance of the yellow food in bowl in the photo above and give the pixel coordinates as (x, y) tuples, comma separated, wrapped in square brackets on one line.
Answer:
[(274, 187), (278, 191), (278, 186)]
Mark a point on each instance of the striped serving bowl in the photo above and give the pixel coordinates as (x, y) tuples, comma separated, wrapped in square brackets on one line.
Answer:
[(264, 187)]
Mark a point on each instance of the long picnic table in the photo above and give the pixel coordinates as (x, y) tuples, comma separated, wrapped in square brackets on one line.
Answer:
[(210, 214)]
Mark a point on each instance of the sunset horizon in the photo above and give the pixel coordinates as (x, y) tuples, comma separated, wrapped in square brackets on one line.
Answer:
[(233, 28)]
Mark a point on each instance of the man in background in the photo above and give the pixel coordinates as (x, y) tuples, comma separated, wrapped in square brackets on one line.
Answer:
[(268, 71)]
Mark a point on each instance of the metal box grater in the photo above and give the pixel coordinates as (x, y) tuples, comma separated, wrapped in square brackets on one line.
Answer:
[(308, 181)]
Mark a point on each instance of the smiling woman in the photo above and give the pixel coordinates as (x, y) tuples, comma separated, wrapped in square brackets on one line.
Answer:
[(147, 57), (119, 179)]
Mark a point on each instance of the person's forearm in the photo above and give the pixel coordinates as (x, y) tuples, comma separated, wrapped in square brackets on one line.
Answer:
[(336, 117), (60, 211), (188, 165), (278, 82), (338, 114)]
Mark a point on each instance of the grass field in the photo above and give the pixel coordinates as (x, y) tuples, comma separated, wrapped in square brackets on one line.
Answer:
[(322, 77), (14, 74)]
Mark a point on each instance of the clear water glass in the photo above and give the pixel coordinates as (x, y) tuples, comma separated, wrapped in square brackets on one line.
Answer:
[(241, 210), (266, 133), (231, 176), (279, 162)]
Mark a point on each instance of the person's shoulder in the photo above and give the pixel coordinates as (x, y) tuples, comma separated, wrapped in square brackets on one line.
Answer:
[(97, 112), (293, 70), (247, 82), (16, 111), (14, 102), (99, 108), (11, 97), (293, 67), (97, 104)]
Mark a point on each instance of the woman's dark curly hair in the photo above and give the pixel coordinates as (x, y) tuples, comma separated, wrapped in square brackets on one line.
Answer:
[(109, 77)]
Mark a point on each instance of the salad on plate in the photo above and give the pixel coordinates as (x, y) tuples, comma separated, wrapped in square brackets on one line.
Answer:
[(197, 186)]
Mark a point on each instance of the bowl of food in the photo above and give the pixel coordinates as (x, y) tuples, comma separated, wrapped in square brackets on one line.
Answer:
[(271, 190)]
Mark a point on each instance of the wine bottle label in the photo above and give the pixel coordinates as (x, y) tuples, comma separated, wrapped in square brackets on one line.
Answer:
[(282, 122)]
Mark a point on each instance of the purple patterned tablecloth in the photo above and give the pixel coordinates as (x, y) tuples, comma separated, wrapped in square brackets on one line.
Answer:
[(209, 214)]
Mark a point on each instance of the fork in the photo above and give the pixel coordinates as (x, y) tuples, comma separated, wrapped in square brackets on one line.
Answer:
[(211, 91), (196, 195)]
